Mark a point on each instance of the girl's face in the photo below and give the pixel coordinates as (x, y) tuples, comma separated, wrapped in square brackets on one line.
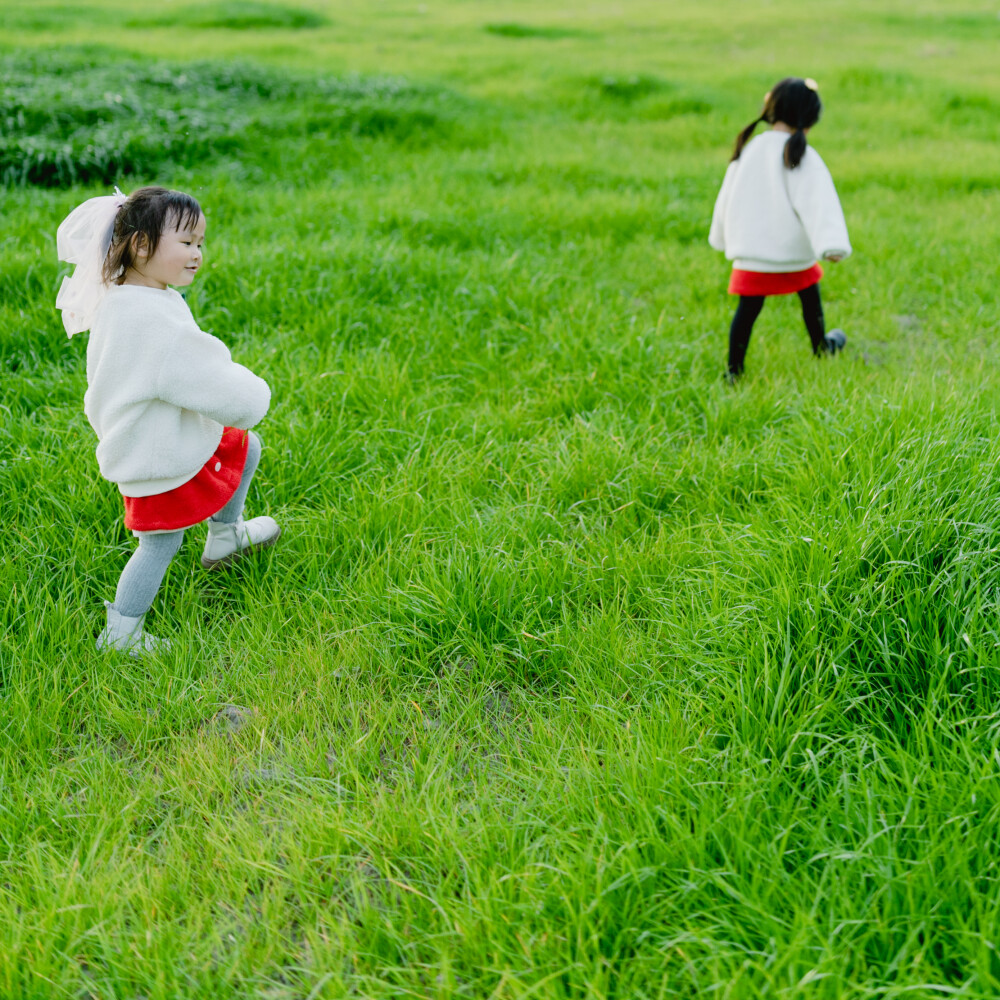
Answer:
[(176, 260)]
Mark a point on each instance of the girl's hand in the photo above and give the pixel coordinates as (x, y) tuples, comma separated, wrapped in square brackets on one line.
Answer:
[(833, 257)]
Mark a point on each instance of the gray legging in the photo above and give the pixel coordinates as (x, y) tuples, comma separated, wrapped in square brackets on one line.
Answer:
[(143, 573)]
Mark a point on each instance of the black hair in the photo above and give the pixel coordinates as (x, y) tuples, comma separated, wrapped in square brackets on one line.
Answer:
[(795, 102), (145, 214)]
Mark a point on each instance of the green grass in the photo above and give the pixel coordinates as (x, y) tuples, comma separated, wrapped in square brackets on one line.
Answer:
[(575, 674), (73, 117), (241, 16)]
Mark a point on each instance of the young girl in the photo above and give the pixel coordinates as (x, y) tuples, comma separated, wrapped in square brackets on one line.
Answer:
[(776, 214), (169, 405)]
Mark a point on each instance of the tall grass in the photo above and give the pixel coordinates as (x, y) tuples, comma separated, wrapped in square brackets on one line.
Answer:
[(575, 673)]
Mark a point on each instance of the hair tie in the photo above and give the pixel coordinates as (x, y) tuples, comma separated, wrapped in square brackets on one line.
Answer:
[(83, 238)]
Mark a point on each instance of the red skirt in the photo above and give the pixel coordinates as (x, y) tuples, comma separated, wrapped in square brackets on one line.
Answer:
[(200, 497), (776, 283)]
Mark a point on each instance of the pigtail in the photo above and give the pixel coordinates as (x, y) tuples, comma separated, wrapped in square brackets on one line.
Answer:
[(795, 148), (792, 102), (743, 138)]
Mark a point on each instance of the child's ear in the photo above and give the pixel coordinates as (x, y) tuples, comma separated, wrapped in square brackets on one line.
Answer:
[(139, 245)]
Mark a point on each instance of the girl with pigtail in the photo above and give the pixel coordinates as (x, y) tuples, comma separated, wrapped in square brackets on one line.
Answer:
[(170, 407), (776, 216)]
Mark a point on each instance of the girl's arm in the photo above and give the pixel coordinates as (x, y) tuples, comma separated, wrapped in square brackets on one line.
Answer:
[(815, 201), (717, 233), (198, 374)]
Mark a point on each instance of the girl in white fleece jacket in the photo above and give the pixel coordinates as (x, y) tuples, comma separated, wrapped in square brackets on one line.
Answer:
[(776, 216), (170, 407)]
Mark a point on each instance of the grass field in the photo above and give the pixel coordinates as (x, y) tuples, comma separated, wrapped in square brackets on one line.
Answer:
[(576, 673)]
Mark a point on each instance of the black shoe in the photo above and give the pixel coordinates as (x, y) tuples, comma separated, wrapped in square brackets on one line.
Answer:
[(835, 341), (732, 378)]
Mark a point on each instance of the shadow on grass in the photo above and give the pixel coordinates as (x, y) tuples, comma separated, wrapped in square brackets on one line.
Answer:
[(234, 16)]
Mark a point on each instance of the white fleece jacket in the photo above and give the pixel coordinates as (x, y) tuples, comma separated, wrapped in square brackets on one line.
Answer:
[(769, 218), (160, 390)]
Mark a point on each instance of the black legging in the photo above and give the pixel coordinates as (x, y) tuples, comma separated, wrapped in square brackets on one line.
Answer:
[(749, 309)]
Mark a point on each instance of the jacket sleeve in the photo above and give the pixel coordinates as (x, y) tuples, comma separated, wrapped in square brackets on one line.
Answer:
[(198, 374), (815, 201), (717, 233)]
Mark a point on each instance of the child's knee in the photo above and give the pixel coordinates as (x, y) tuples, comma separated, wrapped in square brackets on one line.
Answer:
[(164, 545)]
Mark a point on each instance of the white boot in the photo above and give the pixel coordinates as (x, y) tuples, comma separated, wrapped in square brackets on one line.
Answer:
[(126, 635), (227, 542)]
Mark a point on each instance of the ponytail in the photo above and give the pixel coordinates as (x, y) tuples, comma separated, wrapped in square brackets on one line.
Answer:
[(743, 138), (795, 148)]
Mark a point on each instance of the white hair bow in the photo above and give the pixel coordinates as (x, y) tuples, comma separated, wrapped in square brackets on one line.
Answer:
[(83, 238)]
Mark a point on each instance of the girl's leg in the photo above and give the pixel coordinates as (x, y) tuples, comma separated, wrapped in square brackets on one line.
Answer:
[(229, 536), (231, 512), (139, 582), (739, 332), (812, 313), (143, 573)]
